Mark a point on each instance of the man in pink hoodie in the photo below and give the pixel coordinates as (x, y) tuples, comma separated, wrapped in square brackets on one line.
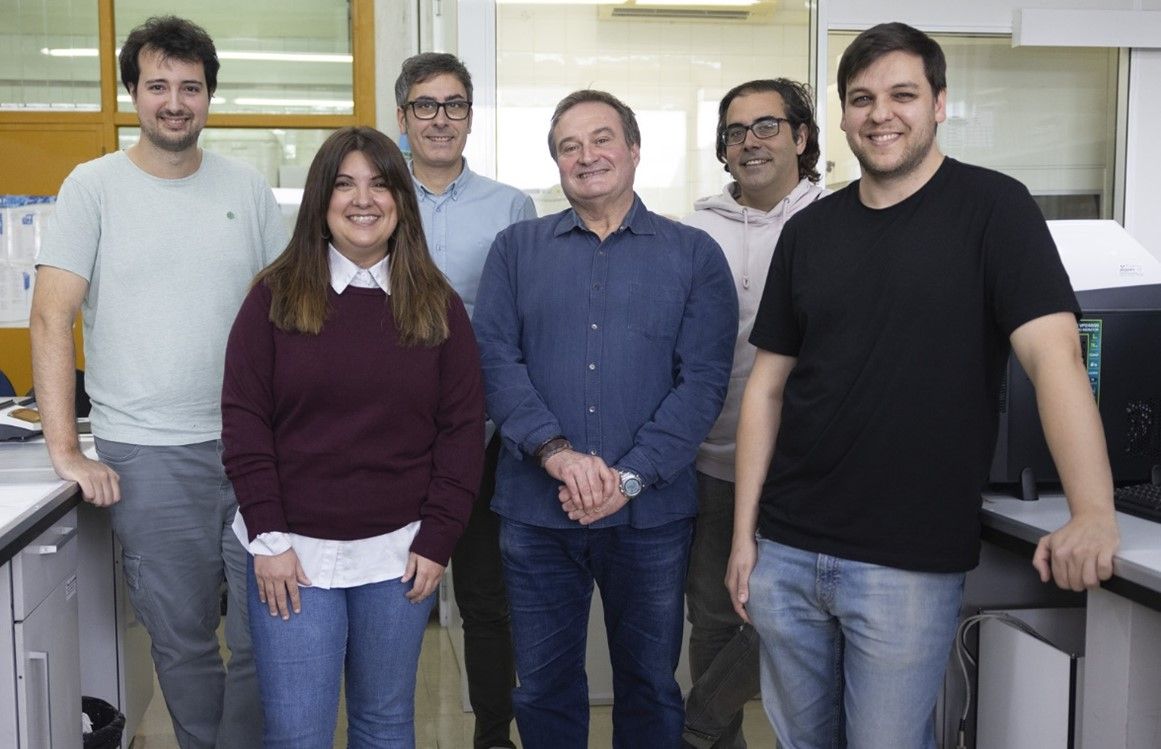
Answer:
[(768, 140)]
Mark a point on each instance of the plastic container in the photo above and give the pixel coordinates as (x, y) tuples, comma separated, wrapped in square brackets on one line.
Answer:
[(108, 724)]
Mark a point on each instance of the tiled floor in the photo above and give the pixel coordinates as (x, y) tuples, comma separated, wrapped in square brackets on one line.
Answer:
[(440, 722)]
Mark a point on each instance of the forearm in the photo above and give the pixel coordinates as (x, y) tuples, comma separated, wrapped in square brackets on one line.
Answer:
[(757, 436), (54, 378), (704, 353), (758, 425), (250, 446), (1075, 437), (665, 445), (1049, 349)]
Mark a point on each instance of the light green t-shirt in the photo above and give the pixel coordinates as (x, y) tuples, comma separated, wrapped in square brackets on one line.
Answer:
[(168, 262)]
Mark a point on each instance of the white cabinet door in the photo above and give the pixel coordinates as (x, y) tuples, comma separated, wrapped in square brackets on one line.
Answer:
[(48, 678), (7, 661)]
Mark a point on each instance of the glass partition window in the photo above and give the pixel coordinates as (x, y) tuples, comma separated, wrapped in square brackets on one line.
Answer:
[(671, 65), (281, 155), (277, 57), (48, 55), (1043, 115)]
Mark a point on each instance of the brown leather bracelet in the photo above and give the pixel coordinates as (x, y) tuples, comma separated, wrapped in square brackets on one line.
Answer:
[(552, 447)]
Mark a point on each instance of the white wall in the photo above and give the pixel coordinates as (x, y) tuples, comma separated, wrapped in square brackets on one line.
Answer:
[(1143, 150), (671, 72), (988, 16)]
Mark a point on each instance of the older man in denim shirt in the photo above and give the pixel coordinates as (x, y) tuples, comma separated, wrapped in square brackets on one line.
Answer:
[(606, 335)]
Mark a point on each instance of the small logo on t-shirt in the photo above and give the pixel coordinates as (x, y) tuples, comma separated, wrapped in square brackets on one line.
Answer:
[(230, 215)]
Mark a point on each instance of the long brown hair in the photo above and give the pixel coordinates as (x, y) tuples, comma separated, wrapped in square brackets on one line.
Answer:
[(299, 278)]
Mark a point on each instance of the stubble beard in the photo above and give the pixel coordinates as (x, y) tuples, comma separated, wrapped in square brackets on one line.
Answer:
[(913, 157), (173, 145)]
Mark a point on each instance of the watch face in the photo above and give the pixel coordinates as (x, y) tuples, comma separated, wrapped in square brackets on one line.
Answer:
[(631, 486)]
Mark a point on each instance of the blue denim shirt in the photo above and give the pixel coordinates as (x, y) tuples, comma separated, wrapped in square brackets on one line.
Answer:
[(461, 222), (622, 346)]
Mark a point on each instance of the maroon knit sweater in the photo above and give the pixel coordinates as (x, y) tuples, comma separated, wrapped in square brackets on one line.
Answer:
[(348, 434)]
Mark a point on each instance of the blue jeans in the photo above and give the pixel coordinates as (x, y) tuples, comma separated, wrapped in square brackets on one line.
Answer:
[(853, 654), (371, 629), (549, 573)]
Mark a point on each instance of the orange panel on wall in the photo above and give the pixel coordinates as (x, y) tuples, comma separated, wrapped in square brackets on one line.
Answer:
[(36, 158)]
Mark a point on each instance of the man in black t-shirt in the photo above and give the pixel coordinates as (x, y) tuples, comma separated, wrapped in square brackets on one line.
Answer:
[(868, 422)]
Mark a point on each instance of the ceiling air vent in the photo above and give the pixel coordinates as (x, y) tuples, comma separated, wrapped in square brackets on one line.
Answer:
[(681, 14), (755, 11)]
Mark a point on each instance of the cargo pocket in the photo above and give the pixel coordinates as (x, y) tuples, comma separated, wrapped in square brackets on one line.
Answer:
[(138, 594)]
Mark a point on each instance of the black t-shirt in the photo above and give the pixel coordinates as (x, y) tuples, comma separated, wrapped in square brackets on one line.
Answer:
[(899, 319)]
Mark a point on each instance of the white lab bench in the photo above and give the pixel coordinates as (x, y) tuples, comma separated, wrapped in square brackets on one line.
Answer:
[(1120, 700), (59, 567), (40, 697)]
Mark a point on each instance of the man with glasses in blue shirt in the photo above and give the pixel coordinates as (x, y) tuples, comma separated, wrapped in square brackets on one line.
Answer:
[(606, 333), (461, 212)]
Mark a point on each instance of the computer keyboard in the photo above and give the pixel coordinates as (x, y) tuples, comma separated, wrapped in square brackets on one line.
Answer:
[(1142, 500)]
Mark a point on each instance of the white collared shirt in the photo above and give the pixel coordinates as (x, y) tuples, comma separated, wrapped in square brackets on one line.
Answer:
[(345, 273), (342, 564)]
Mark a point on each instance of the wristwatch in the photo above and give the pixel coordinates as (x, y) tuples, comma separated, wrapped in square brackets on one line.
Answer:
[(631, 484)]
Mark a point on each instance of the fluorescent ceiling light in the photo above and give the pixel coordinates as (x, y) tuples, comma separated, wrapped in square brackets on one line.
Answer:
[(287, 56), (316, 103), (69, 52), (241, 55)]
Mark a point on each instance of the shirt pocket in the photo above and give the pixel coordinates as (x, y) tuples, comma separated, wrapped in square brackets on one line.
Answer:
[(655, 311)]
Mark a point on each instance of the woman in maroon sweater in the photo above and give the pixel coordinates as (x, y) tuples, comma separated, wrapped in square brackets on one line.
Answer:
[(353, 426)]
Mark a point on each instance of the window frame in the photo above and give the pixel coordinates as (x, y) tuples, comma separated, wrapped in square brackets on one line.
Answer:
[(107, 120)]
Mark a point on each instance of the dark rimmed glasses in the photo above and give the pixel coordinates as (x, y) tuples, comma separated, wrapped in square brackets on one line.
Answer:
[(427, 109), (762, 128)]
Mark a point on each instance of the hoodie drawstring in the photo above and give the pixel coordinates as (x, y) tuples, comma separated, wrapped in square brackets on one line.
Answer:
[(745, 248)]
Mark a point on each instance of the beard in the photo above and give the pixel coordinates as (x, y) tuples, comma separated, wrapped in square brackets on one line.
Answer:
[(175, 143), (912, 157)]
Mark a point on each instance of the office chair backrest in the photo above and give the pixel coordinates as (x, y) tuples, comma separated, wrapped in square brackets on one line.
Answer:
[(6, 388)]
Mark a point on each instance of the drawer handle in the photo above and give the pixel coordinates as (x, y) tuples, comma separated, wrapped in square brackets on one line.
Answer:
[(67, 533)]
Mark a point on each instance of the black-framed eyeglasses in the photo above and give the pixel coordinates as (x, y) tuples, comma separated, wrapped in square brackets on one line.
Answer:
[(763, 128), (427, 109)]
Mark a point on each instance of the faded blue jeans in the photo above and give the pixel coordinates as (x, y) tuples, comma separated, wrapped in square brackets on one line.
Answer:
[(372, 632), (853, 654), (549, 573)]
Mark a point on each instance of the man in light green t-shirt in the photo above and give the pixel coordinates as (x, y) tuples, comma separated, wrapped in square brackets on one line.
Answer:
[(157, 245)]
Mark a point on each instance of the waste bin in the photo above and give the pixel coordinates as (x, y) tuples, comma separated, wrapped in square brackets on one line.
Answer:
[(108, 724)]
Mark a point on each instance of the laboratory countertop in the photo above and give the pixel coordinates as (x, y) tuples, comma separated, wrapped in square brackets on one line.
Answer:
[(1136, 566), (32, 496)]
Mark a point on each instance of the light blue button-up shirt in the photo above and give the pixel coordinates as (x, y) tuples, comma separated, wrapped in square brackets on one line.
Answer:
[(461, 223), (623, 346)]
